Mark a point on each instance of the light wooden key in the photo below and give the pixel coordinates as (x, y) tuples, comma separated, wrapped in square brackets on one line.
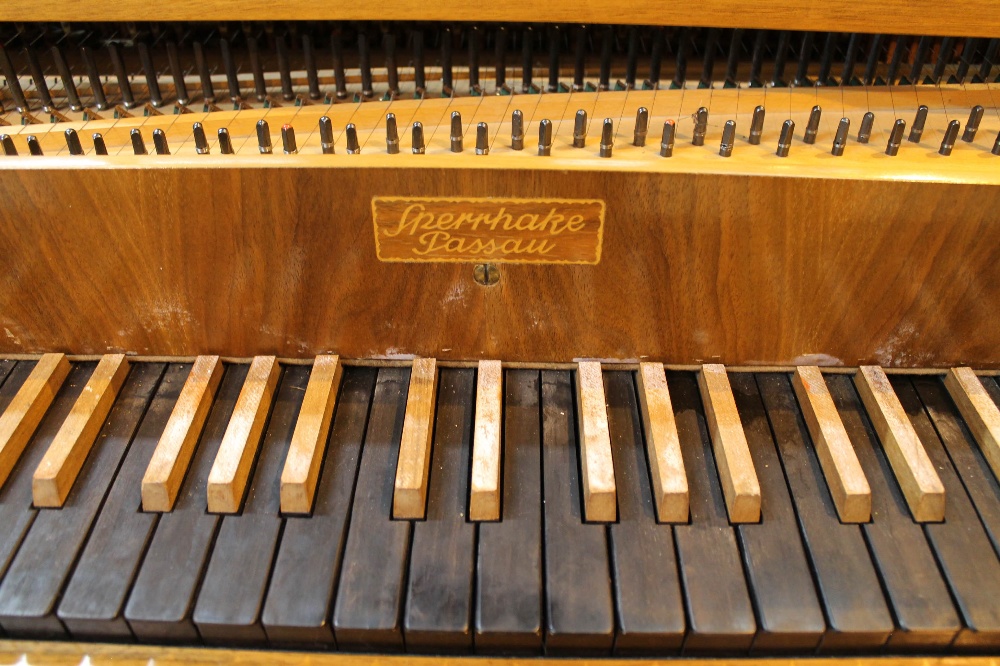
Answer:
[(56, 473), (409, 498), (22, 415), (227, 480), (732, 454), (173, 452), (846, 480), (305, 453), (978, 410), (914, 471), (600, 495), (663, 448), (484, 495)]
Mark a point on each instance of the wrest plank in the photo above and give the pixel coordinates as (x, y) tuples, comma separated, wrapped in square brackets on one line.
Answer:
[(914, 471), (663, 447), (58, 469), (848, 486), (305, 454), (597, 471), (732, 453), (231, 469), (173, 452), (484, 494), (25, 411), (979, 411), (410, 489)]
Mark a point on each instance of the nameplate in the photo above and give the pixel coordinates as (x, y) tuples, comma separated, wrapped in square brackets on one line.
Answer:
[(484, 230)]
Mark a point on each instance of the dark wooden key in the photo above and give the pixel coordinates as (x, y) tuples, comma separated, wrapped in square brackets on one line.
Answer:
[(166, 585), (964, 552), (6, 366), (43, 563), (720, 616), (228, 610), (94, 598), (373, 574), (578, 600), (789, 618), (509, 559), (849, 589), (297, 609), (438, 615), (919, 600), (649, 608)]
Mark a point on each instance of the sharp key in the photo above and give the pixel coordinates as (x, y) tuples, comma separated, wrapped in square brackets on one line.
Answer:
[(482, 139), (67, 79), (235, 94), (812, 128), (446, 68), (950, 136), (138, 144), (312, 76), (225, 142), (149, 70), (204, 73), (728, 139), (200, 140), (580, 129), (898, 50), (732, 64), (632, 58), (598, 478), (13, 84), (73, 142), (259, 82), (391, 68), (923, 47), (874, 53), (160, 142), (326, 135), (667, 140), (288, 144), (124, 85), (94, 76), (641, 127), (517, 130), (785, 140), (607, 48), (339, 76), (850, 60), (177, 74), (500, 70), (419, 73), (527, 59), (840, 140), (826, 59), (7, 145), (456, 132), (607, 137), (944, 57), (757, 59), (996, 145), (708, 61), (917, 130), (474, 48), (680, 64), (805, 52), (413, 464), (263, 137), (865, 133), (756, 126), (485, 487), (780, 58), (417, 139), (554, 39), (579, 57), (284, 69), (975, 117), (353, 147), (656, 58), (700, 127), (391, 134), (38, 77), (895, 138), (545, 138), (100, 148)]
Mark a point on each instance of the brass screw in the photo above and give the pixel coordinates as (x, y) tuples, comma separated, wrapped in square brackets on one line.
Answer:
[(486, 274)]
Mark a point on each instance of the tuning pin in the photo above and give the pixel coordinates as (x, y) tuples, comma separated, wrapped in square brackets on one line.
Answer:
[(456, 132), (225, 142), (200, 140), (73, 142), (996, 145), (607, 137), (756, 126), (13, 83), (38, 78), (263, 137), (326, 135), (288, 144), (812, 127), (34, 148), (667, 140), (580, 129), (124, 85), (700, 127), (950, 136), (160, 142), (417, 139), (100, 148), (865, 133), (7, 144), (545, 137), (975, 117), (840, 140), (785, 139), (149, 70), (138, 145), (353, 147), (391, 134), (641, 127), (517, 130), (895, 138), (69, 86), (917, 130), (482, 139), (728, 139)]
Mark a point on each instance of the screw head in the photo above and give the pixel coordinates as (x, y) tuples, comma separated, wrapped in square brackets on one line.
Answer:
[(486, 274)]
